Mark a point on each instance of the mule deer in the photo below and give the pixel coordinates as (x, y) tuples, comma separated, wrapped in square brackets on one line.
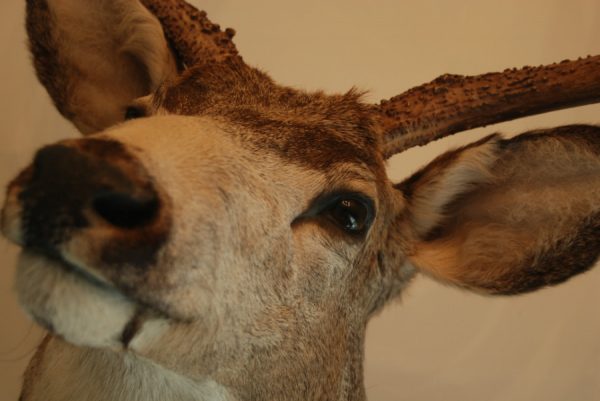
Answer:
[(234, 242)]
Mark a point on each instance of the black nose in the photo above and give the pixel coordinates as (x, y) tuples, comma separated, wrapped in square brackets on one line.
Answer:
[(83, 183)]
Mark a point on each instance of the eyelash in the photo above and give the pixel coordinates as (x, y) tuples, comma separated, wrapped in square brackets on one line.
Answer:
[(133, 112)]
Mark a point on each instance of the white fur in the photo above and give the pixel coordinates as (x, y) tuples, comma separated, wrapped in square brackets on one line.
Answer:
[(70, 373), (11, 218), (79, 311), (150, 331), (471, 167)]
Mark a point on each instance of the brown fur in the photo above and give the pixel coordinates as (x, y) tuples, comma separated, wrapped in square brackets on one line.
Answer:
[(51, 72), (245, 96), (259, 289), (545, 250), (90, 89), (34, 369)]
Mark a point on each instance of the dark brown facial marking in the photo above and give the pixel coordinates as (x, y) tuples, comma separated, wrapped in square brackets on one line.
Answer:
[(132, 328), (310, 129), (68, 182), (137, 249), (54, 197)]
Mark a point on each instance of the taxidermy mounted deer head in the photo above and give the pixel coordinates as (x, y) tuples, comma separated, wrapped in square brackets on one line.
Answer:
[(232, 238)]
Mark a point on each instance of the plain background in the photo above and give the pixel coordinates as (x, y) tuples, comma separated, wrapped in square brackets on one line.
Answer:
[(438, 343)]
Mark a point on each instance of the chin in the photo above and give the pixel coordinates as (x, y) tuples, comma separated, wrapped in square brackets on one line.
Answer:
[(72, 304)]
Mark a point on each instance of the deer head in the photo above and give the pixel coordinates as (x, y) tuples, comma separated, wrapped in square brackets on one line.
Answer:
[(239, 234)]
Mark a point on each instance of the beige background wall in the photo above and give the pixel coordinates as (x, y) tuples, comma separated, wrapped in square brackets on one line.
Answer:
[(438, 343)]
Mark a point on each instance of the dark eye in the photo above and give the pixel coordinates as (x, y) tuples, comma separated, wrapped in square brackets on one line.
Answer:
[(352, 215), (134, 112)]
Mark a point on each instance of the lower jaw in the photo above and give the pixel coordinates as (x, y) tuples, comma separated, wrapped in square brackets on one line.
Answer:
[(69, 304)]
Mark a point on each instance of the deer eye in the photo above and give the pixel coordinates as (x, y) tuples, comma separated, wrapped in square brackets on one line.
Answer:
[(352, 214), (134, 112)]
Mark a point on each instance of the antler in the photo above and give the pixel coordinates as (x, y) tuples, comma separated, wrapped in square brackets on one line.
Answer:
[(194, 37), (446, 105), (454, 103)]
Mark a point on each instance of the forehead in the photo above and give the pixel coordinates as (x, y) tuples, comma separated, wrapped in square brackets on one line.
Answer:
[(312, 129)]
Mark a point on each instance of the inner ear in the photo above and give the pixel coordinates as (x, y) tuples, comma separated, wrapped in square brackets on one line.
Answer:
[(430, 192), (142, 82), (95, 57), (508, 216)]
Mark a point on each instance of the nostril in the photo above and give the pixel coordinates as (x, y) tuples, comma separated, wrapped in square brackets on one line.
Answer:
[(125, 211)]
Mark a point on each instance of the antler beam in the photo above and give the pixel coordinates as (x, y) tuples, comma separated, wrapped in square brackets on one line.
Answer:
[(454, 103), (447, 105), (194, 37)]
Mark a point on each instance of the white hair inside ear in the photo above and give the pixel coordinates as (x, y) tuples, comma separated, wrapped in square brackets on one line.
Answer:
[(508, 216), (448, 177)]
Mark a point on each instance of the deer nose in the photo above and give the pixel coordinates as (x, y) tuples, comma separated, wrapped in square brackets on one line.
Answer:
[(124, 210), (81, 185)]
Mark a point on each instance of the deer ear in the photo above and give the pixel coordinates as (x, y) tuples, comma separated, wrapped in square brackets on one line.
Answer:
[(95, 57), (509, 216)]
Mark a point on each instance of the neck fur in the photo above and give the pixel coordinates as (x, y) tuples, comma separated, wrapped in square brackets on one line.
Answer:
[(64, 372)]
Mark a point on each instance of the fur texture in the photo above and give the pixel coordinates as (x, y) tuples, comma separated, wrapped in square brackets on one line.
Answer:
[(247, 280)]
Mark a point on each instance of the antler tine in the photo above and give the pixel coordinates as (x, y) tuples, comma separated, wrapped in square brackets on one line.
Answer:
[(195, 38), (455, 103)]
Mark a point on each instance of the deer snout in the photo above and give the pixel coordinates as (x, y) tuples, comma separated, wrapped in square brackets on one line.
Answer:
[(93, 191)]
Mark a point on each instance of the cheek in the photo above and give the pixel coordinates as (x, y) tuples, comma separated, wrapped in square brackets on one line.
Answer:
[(322, 263), (221, 257)]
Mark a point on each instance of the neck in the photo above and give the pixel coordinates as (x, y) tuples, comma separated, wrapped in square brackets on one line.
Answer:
[(62, 372)]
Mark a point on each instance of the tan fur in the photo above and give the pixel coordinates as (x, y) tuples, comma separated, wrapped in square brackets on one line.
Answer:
[(240, 285), (95, 58), (542, 197)]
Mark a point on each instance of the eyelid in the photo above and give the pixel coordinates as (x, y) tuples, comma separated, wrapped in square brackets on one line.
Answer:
[(135, 111), (328, 199), (144, 104)]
